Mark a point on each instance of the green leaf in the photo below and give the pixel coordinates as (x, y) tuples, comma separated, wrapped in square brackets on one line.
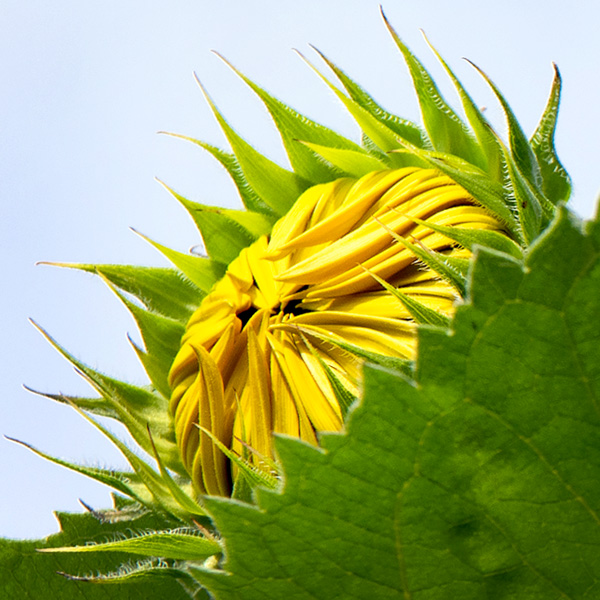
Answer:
[(481, 479), (156, 483), (488, 143), (293, 128), (277, 187), (469, 238), (343, 395), (519, 145), (419, 312), (225, 232), (134, 407), (400, 365), (162, 337), (405, 129), (529, 204), (99, 406), (556, 183), (164, 291), (26, 574), (448, 134), (488, 192), (203, 272), (354, 163), (441, 264), (183, 494), (254, 476), (176, 544), (248, 195), (380, 133), (123, 482)]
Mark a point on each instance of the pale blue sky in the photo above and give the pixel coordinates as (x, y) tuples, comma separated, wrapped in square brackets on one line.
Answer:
[(85, 88)]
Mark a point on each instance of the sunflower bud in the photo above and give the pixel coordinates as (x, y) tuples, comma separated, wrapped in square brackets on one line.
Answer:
[(330, 264), (277, 345)]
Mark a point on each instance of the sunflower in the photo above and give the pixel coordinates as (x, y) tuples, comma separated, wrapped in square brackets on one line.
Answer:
[(333, 263), (277, 345)]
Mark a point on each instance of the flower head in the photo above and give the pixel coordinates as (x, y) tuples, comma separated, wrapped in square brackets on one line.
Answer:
[(277, 345)]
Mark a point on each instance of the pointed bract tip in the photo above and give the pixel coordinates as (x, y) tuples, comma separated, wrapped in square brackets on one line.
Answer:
[(229, 64), (478, 69), (200, 84), (144, 237), (32, 391), (169, 189), (50, 263), (131, 341), (472, 64), (321, 54), (428, 42), (86, 506), (300, 53), (387, 22), (72, 577), (219, 55)]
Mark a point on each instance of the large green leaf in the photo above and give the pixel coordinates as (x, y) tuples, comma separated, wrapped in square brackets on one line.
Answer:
[(26, 574), (479, 480)]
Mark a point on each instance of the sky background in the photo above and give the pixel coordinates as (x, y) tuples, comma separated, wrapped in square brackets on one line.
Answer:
[(87, 85)]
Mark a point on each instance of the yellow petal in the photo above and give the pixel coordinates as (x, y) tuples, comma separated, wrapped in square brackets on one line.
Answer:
[(297, 219), (259, 382), (210, 464), (368, 240), (306, 392), (375, 334), (435, 294), (355, 199)]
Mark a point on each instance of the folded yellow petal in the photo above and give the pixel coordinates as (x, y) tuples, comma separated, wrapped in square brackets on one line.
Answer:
[(376, 334), (313, 208), (314, 402), (209, 465), (369, 239), (353, 200), (259, 389), (289, 415)]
